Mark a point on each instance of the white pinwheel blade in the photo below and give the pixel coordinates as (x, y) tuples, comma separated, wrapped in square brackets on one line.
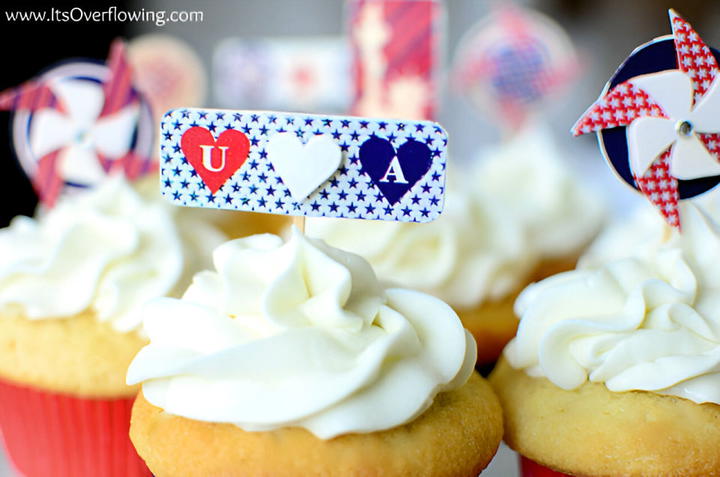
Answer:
[(83, 100), (112, 135), (50, 131), (690, 159), (647, 138), (706, 115), (80, 165), (671, 89)]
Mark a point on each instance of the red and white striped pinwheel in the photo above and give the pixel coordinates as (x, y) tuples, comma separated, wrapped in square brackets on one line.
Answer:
[(79, 122), (672, 120)]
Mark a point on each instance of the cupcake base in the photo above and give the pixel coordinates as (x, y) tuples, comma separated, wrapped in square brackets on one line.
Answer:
[(593, 431), (492, 324), (49, 434), (552, 266), (243, 224), (77, 356), (456, 437)]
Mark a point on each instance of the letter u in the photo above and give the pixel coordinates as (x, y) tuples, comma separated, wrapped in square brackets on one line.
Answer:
[(207, 157)]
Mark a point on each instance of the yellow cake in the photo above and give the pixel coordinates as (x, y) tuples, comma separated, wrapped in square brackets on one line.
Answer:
[(292, 359), (614, 367), (456, 437)]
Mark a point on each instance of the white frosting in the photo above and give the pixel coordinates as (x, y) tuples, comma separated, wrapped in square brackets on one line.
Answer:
[(558, 209), (106, 250), (648, 322), (299, 334), (644, 227), (473, 252)]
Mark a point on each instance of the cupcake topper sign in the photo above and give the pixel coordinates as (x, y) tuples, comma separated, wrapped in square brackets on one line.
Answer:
[(658, 119), (79, 122), (303, 164)]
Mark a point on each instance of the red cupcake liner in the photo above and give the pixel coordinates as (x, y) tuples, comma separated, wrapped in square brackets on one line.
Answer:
[(56, 435), (530, 468)]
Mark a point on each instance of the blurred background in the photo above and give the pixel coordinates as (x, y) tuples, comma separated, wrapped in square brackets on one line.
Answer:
[(604, 32)]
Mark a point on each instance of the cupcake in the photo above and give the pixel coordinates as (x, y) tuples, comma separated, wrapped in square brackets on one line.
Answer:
[(615, 367), (71, 282), (475, 257), (292, 359), (559, 213)]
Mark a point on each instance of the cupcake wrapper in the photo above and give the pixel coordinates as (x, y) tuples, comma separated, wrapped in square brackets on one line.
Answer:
[(530, 468), (56, 435)]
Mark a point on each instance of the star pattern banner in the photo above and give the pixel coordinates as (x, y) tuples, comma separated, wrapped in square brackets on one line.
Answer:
[(303, 164)]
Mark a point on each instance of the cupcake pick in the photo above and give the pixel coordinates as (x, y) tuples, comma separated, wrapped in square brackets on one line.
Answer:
[(510, 64), (78, 122), (396, 57), (658, 119), (304, 164)]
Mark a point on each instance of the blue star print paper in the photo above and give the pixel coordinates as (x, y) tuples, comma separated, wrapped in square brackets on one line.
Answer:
[(302, 164)]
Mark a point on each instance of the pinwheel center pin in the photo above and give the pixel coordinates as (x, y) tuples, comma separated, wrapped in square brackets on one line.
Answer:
[(684, 128), (84, 138)]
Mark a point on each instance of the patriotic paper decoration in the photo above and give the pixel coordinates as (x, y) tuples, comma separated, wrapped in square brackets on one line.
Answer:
[(309, 74), (167, 72), (303, 164), (396, 50), (79, 122), (512, 62), (658, 119)]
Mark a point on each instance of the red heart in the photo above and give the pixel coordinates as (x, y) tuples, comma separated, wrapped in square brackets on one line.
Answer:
[(215, 165)]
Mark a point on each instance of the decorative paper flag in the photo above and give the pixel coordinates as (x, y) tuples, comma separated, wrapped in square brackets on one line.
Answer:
[(78, 122), (302, 164), (658, 119), (167, 72), (513, 62), (295, 74), (396, 49)]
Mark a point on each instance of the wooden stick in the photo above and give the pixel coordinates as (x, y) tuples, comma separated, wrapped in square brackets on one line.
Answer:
[(667, 233), (299, 222)]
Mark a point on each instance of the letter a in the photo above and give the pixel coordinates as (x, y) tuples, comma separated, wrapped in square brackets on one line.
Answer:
[(207, 157), (396, 171)]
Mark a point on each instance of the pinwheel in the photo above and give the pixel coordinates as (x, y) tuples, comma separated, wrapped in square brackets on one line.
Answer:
[(512, 62), (79, 129), (671, 119)]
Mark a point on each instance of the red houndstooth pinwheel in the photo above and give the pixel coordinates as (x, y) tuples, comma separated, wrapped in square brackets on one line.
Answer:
[(79, 122), (671, 119)]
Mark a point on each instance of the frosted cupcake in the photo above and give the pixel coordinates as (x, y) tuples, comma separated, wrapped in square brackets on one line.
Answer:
[(292, 359), (475, 257), (559, 212), (71, 282), (615, 368)]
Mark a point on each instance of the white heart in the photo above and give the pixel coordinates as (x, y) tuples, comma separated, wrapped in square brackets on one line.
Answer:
[(303, 168)]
